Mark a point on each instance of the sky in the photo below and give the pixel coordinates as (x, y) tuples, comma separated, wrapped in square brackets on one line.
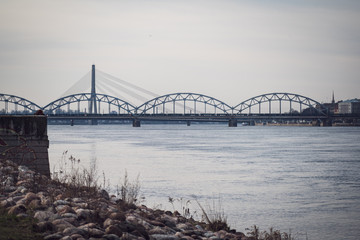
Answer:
[(231, 50)]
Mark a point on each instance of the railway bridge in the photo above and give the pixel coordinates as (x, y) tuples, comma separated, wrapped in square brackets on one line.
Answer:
[(95, 107)]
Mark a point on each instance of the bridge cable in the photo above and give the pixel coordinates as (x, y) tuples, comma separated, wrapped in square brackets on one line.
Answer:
[(81, 86)]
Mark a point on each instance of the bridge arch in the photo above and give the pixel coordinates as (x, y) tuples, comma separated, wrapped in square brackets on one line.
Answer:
[(56, 105), (17, 101), (310, 104), (180, 103)]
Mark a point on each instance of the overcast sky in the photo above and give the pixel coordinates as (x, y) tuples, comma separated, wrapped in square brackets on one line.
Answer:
[(230, 50)]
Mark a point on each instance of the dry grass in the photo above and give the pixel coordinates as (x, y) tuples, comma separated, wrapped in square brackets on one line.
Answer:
[(128, 191), (255, 234), (79, 181), (184, 206), (214, 216)]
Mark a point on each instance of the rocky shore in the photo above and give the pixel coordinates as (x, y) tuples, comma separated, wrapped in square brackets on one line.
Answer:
[(57, 215)]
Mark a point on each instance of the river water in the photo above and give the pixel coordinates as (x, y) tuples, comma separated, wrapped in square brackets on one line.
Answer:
[(300, 179)]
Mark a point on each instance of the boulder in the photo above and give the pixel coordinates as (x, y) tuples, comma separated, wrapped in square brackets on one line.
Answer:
[(61, 224), (44, 226), (94, 232), (84, 214), (117, 216), (113, 229), (61, 202), (55, 236), (30, 196), (17, 209), (73, 230), (164, 237), (111, 237), (45, 216)]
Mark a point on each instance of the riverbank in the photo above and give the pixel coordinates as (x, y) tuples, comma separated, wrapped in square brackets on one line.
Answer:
[(42, 208)]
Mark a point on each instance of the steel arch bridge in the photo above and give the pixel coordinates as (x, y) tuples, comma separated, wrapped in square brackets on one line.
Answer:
[(18, 101), (280, 97), (175, 98), (87, 97)]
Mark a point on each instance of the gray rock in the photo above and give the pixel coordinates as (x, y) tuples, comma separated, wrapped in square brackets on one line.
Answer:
[(76, 236), (17, 209), (199, 227), (84, 213), (209, 234), (114, 230), (44, 227), (157, 230), (88, 225), (73, 230), (78, 200), (61, 202), (7, 203), (55, 236), (61, 209), (71, 220), (104, 194), (164, 237), (30, 196), (69, 215), (94, 232), (45, 216), (117, 216), (109, 222), (184, 226), (66, 238), (111, 237), (61, 224)]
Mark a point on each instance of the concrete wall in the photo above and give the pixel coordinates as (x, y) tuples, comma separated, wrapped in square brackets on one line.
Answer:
[(24, 140)]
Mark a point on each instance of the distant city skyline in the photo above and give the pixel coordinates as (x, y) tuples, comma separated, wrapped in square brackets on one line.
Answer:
[(230, 50)]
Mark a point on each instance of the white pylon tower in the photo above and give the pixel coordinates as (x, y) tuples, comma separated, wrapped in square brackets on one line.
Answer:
[(92, 107)]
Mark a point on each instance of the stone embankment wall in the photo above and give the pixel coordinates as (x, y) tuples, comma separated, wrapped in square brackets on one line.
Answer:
[(24, 140)]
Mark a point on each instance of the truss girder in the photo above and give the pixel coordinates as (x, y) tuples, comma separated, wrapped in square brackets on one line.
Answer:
[(19, 101), (183, 97), (176, 98), (269, 97), (86, 97)]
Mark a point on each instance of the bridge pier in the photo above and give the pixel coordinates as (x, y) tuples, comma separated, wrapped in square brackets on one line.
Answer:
[(136, 123), (188, 123), (327, 122), (93, 122), (232, 122)]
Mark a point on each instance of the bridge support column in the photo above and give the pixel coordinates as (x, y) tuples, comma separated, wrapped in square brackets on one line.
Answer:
[(136, 123), (327, 122), (316, 123), (188, 123), (233, 122)]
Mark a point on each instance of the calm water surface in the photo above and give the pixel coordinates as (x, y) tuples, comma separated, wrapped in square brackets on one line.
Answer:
[(306, 179)]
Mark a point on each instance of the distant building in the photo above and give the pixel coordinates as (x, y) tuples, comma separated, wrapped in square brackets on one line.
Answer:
[(349, 106), (332, 107)]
